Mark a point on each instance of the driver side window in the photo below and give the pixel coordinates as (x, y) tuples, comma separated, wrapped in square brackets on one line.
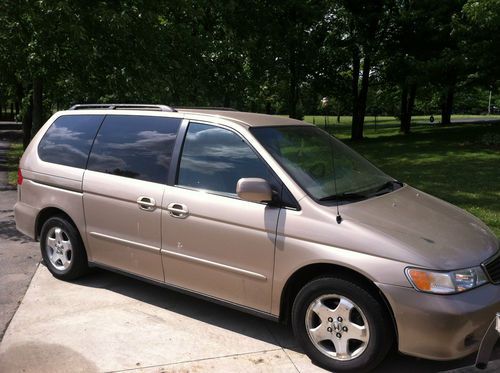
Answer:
[(214, 159)]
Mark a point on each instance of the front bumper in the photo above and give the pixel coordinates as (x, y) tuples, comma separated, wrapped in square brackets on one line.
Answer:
[(488, 343), (441, 327)]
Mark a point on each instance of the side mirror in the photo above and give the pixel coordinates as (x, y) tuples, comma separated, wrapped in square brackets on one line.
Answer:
[(254, 190)]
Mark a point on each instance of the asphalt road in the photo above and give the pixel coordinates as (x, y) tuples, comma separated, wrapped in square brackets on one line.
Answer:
[(19, 258), (4, 147)]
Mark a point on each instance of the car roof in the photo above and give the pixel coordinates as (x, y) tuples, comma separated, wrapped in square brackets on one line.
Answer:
[(246, 118), (243, 118)]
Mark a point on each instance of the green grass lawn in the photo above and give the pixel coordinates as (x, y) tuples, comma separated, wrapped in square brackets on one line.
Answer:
[(458, 163), (372, 122), (13, 156)]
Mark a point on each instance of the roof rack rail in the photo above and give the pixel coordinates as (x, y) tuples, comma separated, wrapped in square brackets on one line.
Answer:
[(122, 107), (205, 108)]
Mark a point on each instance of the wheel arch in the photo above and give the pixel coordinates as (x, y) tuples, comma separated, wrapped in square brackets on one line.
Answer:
[(309, 272), (49, 212)]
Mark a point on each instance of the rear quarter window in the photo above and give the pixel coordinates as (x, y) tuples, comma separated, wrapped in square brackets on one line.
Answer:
[(69, 139)]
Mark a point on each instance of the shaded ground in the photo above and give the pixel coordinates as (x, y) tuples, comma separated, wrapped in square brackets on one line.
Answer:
[(4, 169), (9, 132), (19, 256)]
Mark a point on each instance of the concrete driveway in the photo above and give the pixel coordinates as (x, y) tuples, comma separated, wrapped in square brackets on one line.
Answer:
[(111, 323)]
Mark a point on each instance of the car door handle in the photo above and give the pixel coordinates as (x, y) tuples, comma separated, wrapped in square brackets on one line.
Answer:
[(146, 203), (178, 210)]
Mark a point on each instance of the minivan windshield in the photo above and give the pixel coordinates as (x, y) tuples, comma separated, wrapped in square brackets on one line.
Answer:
[(323, 166)]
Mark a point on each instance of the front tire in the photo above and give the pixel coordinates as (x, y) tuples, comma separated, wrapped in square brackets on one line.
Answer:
[(341, 326), (62, 249)]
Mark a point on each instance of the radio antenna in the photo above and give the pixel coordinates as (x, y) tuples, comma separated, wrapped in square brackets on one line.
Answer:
[(339, 218)]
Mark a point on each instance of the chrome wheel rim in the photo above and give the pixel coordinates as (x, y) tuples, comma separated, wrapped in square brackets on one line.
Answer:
[(337, 327), (59, 249)]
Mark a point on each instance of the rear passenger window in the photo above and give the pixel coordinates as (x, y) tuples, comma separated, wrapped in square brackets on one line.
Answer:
[(139, 147), (68, 140)]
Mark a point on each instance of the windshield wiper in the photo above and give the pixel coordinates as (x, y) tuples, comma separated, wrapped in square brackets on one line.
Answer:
[(344, 197), (347, 196), (390, 185)]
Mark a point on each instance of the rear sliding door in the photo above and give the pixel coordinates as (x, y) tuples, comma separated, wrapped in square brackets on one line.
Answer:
[(123, 188)]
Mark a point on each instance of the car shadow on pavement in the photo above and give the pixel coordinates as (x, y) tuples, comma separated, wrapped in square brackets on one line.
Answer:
[(189, 306), (9, 232), (243, 323)]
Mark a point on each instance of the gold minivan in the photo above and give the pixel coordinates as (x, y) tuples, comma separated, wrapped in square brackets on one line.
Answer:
[(266, 214)]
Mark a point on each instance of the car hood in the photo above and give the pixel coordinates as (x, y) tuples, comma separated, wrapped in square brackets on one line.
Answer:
[(431, 231)]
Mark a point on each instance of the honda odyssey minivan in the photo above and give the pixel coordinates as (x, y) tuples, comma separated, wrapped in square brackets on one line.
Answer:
[(266, 214)]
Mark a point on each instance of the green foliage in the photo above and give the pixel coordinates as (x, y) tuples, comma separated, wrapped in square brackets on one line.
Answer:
[(275, 57), (479, 26), (12, 161)]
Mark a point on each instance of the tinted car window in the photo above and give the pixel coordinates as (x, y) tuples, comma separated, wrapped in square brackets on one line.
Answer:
[(138, 147), (214, 159), (68, 140)]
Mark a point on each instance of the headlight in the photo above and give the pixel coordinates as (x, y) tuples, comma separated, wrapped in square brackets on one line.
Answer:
[(446, 282)]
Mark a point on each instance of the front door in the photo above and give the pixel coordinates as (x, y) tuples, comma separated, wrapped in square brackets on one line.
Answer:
[(213, 242)]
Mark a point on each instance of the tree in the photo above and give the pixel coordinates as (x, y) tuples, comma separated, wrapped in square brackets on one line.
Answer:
[(282, 41), (448, 67), (422, 52), (65, 52), (479, 29), (35, 38), (408, 52), (362, 26)]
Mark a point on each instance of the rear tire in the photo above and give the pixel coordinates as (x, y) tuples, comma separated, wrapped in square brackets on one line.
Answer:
[(341, 326), (62, 249)]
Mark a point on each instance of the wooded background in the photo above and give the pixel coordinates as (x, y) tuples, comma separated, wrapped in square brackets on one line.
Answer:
[(377, 57)]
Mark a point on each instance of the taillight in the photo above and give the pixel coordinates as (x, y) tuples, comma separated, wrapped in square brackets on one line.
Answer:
[(19, 177)]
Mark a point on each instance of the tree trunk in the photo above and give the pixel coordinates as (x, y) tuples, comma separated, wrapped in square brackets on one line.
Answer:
[(27, 123), (293, 71), (408, 94), (293, 85), (268, 107), (355, 88), (447, 104), (19, 98), (404, 107), (411, 103), (359, 121), (37, 105)]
